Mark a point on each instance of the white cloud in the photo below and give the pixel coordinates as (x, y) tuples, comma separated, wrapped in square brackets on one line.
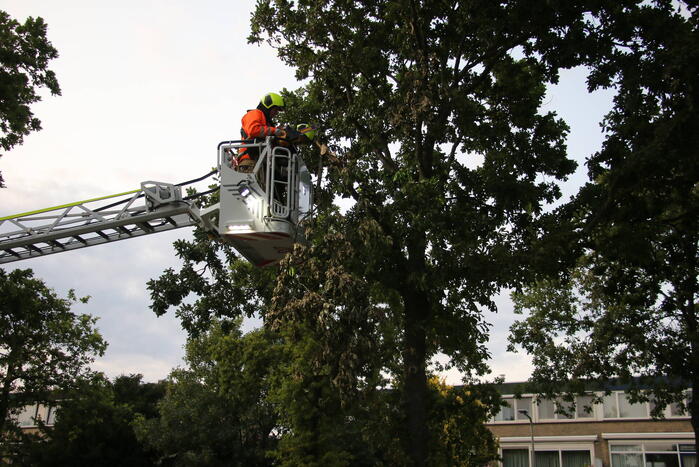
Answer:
[(152, 369)]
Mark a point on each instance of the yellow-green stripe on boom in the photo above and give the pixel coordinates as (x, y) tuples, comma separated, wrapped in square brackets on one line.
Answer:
[(39, 211)]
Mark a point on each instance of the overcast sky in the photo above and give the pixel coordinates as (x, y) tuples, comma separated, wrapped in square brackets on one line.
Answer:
[(149, 88)]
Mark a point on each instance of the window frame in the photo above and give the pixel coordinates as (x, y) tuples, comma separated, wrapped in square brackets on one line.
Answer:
[(34, 412), (597, 413), (687, 400), (548, 447), (514, 402), (616, 395), (574, 417), (642, 443), (31, 411)]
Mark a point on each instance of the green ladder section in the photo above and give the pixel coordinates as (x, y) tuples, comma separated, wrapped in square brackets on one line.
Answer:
[(155, 207)]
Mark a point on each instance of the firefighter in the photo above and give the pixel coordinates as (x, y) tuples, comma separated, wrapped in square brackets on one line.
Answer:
[(257, 125)]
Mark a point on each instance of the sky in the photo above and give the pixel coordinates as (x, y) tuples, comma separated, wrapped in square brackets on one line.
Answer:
[(149, 88)]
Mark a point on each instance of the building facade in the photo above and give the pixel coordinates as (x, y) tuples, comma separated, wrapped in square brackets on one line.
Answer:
[(28, 416), (613, 433)]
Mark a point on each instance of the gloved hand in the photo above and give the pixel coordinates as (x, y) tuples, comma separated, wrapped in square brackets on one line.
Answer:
[(279, 133), (292, 135)]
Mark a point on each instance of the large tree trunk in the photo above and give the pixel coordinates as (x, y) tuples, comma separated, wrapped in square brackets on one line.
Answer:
[(417, 314), (415, 394), (6, 390), (693, 332), (689, 312), (694, 412)]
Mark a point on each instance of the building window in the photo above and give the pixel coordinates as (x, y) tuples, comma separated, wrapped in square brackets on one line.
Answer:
[(510, 411), (576, 458), (653, 454), (676, 410), (611, 409), (525, 403), (27, 416), (688, 457), (584, 407), (548, 458), (506, 411), (547, 410), (562, 410), (51, 416), (515, 458), (631, 410), (617, 405)]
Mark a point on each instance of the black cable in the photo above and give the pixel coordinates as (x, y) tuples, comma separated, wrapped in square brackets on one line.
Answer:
[(115, 204), (203, 193), (198, 179)]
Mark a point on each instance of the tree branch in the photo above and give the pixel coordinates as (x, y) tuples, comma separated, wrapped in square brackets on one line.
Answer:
[(454, 147)]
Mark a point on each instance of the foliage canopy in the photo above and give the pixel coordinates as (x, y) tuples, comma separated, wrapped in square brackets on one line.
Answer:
[(44, 346), (215, 410), (628, 306), (434, 109), (25, 53), (94, 425)]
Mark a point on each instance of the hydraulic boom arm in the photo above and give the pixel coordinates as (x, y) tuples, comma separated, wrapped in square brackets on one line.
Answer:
[(155, 207)]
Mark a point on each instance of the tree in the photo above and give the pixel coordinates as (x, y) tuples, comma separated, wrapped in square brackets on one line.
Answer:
[(628, 308), (333, 405), (459, 415), (215, 410), (94, 425), (336, 409), (142, 398), (434, 111), (24, 56), (44, 347)]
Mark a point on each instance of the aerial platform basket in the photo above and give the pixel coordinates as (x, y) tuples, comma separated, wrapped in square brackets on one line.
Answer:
[(260, 211)]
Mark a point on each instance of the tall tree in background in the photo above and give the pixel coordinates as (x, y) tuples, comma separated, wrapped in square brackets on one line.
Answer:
[(44, 346), (434, 110), (629, 309), (24, 56)]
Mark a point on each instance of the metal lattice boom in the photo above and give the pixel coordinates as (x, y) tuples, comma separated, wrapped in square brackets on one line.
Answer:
[(156, 207)]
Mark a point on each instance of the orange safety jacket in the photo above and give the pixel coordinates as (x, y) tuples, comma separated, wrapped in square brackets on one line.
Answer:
[(254, 126)]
